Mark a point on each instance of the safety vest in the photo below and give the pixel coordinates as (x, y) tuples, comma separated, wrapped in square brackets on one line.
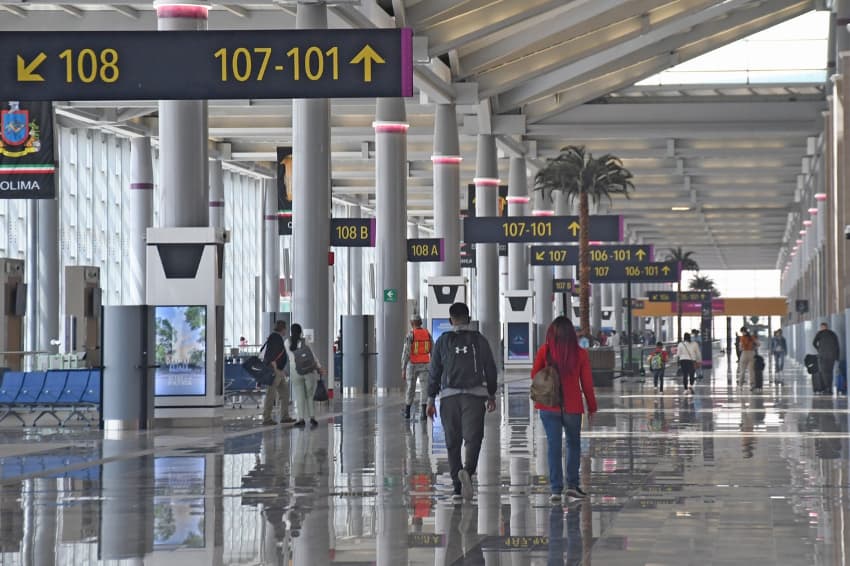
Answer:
[(420, 347)]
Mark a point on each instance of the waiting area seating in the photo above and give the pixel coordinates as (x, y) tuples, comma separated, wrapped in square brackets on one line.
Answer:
[(238, 385), (77, 391)]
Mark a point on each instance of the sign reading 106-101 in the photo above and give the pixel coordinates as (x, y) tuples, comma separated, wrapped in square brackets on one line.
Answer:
[(198, 65)]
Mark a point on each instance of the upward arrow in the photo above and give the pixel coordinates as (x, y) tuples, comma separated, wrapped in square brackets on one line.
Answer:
[(367, 56), (665, 269), (641, 254), (574, 228), (26, 73)]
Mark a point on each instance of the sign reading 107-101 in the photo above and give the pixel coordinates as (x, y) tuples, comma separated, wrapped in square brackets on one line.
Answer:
[(200, 65)]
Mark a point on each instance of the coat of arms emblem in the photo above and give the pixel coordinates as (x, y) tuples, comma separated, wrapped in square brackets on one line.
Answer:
[(18, 135)]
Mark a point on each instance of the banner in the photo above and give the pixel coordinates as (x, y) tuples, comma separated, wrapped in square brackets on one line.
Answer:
[(27, 159), (284, 191)]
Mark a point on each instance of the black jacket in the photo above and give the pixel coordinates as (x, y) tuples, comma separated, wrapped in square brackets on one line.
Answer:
[(826, 343), (275, 350)]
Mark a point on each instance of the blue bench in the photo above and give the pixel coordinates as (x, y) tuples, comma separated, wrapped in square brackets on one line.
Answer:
[(238, 383), (76, 390)]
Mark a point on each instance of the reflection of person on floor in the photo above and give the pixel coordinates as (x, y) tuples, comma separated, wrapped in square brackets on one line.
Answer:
[(419, 472), (574, 544), (822, 419), (464, 544)]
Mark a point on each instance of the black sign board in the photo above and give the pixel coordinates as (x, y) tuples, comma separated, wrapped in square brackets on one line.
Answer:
[(201, 65), (563, 285), (501, 210), (284, 191), (687, 296), (27, 160), (353, 232), (542, 229), (425, 249), (636, 304), (657, 272), (801, 307), (569, 255), (426, 540), (661, 296), (468, 260)]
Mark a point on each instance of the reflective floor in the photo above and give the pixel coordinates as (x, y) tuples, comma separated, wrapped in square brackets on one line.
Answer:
[(723, 477)]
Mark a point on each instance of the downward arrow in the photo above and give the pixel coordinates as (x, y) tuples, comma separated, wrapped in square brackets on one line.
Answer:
[(26, 73), (539, 255)]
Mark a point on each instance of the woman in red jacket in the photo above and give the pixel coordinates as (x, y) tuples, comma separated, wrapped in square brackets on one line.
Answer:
[(573, 365)]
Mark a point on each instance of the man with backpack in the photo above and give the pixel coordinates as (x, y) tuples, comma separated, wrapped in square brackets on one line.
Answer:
[(463, 374), (415, 360), (657, 363), (275, 356)]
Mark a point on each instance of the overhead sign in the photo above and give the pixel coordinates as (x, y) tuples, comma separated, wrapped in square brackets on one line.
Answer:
[(569, 254), (27, 160), (468, 260), (201, 65), (801, 307), (636, 304), (425, 249), (657, 272), (671, 296), (563, 285), (353, 232), (542, 229)]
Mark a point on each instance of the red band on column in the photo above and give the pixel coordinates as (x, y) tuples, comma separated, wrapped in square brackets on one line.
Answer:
[(486, 181), (188, 11), (446, 159), (390, 127), (518, 200)]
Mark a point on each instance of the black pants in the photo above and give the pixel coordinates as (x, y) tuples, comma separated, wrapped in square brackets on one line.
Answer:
[(687, 372), (463, 422), (826, 366)]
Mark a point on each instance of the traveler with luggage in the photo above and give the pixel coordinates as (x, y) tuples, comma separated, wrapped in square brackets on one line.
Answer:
[(463, 374), (696, 338), (274, 356), (304, 370), (561, 382), (779, 349), (657, 361), (415, 361), (758, 372), (826, 344), (688, 354), (746, 362)]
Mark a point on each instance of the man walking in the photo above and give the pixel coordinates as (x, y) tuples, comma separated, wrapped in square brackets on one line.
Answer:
[(826, 344), (415, 359), (275, 357), (747, 360), (463, 373)]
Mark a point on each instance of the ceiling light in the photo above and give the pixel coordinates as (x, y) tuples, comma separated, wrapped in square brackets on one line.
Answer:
[(680, 208)]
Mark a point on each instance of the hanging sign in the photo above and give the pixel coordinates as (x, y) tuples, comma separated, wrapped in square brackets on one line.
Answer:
[(27, 159)]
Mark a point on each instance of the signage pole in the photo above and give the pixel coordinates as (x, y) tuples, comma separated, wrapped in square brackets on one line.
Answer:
[(629, 367)]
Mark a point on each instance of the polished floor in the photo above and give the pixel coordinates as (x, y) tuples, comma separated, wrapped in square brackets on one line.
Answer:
[(723, 477)]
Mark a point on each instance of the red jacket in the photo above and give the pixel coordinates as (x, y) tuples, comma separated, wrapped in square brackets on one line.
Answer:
[(570, 388)]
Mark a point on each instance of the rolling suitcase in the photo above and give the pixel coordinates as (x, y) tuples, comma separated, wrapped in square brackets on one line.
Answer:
[(817, 382), (758, 365)]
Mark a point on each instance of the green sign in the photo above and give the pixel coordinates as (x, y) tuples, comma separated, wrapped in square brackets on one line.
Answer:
[(518, 229), (390, 296), (201, 65)]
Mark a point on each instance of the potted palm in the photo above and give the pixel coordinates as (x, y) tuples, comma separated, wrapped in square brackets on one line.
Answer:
[(589, 179), (687, 264), (703, 283)]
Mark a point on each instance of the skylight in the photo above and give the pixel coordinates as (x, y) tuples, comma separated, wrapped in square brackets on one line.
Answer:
[(791, 52)]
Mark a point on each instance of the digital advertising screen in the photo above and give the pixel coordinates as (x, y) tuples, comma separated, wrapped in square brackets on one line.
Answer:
[(181, 350), (519, 347), (178, 503), (438, 326)]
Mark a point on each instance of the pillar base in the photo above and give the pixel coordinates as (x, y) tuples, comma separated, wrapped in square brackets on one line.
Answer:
[(111, 425)]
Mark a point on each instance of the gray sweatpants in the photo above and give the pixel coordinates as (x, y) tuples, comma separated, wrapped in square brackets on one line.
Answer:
[(463, 422), (414, 373)]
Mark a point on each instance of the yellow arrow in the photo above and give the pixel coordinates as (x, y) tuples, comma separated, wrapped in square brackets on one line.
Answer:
[(574, 227), (26, 73), (367, 56), (665, 269), (540, 255), (641, 254)]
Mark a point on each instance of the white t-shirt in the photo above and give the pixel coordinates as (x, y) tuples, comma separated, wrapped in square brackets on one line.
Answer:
[(614, 340), (688, 351)]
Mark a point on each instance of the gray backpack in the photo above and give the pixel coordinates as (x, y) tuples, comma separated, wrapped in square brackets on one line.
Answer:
[(305, 362)]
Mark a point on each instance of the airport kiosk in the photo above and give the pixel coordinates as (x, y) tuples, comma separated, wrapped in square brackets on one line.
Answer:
[(185, 289), (12, 323), (518, 331), (83, 301), (443, 292)]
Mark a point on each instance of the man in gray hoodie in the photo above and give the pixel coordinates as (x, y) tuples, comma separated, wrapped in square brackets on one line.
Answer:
[(826, 344), (463, 373)]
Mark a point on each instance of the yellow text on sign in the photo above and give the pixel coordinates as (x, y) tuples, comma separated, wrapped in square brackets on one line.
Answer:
[(351, 232), (425, 250), (517, 229), (243, 64), (88, 65)]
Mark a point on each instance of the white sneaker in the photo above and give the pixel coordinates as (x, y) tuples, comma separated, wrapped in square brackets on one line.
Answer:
[(465, 484)]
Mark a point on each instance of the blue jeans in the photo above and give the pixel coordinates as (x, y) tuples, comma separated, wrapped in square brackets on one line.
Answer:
[(554, 424), (779, 357)]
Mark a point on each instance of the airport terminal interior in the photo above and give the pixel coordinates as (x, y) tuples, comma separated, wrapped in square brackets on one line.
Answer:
[(179, 178)]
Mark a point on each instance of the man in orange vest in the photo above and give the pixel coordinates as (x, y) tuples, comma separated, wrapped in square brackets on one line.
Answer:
[(415, 360)]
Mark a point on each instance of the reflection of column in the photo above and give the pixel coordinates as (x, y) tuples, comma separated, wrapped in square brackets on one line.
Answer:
[(489, 483), (442, 523), (141, 215), (126, 507), (311, 202), (520, 505), (390, 250), (271, 250), (389, 471), (517, 201), (487, 255), (357, 455), (183, 135), (44, 540), (446, 160), (310, 510)]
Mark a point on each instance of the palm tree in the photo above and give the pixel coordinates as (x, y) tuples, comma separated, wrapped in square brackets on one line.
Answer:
[(687, 264), (703, 283), (576, 172)]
